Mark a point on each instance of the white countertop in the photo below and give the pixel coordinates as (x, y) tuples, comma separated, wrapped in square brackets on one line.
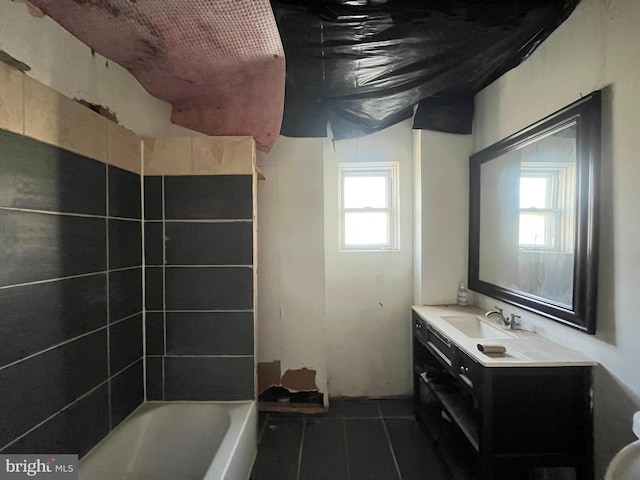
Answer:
[(524, 349)]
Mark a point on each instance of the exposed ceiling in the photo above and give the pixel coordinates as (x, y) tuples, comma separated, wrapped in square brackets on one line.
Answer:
[(219, 63), (362, 65), (357, 65)]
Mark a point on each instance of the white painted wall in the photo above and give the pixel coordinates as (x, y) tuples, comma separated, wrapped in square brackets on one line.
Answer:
[(291, 275), (369, 294), (60, 61), (596, 48), (441, 164)]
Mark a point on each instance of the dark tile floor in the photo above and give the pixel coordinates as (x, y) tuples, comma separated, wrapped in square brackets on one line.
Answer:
[(354, 440)]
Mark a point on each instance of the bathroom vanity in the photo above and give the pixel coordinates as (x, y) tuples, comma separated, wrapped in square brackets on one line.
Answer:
[(527, 408)]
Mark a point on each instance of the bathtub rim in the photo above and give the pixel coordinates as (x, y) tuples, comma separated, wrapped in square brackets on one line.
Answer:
[(241, 437)]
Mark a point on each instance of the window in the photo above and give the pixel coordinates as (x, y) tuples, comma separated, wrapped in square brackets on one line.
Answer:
[(368, 206), (546, 200)]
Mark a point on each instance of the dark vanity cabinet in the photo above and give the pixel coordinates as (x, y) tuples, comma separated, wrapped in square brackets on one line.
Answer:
[(511, 422)]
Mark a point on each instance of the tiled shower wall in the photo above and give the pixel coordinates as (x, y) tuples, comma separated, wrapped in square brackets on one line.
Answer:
[(71, 338), (71, 363), (199, 287)]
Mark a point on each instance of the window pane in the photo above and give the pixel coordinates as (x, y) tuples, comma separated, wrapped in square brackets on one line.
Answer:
[(365, 192), (370, 228), (533, 192), (532, 229)]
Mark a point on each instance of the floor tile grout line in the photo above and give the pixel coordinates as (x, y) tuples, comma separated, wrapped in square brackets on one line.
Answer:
[(304, 425), (346, 446), (264, 427), (393, 453)]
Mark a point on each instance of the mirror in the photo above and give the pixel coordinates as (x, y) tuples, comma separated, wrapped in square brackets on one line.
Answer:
[(533, 226)]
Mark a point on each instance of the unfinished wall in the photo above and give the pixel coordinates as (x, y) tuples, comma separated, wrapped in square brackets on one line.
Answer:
[(369, 294), (291, 274), (60, 61), (71, 277), (345, 316), (84, 367), (591, 51), (441, 167)]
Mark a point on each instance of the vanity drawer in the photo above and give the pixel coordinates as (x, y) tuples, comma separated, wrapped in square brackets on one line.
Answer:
[(468, 371), (440, 346)]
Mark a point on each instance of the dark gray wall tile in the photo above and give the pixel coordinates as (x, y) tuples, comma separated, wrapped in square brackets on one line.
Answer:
[(217, 288), (37, 246), (154, 378), (125, 293), (127, 392), (125, 343), (124, 194), (154, 325), (153, 198), (39, 316), (37, 176), (210, 333), (76, 429), (227, 243), (208, 378), (153, 243), (40, 386), (208, 197), (154, 288), (125, 243)]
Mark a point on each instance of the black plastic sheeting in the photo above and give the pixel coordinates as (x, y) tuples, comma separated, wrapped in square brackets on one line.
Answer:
[(363, 65)]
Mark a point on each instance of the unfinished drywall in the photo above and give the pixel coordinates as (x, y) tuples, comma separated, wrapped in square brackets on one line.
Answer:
[(291, 273), (29, 108), (590, 51), (199, 156), (345, 316), (441, 180), (60, 61), (369, 294)]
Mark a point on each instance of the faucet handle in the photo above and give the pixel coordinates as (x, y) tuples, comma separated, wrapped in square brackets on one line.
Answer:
[(498, 309), (514, 323)]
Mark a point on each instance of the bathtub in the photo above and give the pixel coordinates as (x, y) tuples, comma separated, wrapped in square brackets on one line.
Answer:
[(178, 441)]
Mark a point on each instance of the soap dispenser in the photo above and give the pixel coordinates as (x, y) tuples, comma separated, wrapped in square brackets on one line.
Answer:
[(463, 299)]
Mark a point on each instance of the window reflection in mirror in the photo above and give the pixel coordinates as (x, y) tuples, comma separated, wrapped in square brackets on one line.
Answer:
[(528, 202)]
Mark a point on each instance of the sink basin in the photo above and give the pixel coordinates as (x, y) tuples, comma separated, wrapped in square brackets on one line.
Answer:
[(626, 464), (474, 327)]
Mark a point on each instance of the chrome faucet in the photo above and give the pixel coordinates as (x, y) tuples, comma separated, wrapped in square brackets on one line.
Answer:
[(498, 315)]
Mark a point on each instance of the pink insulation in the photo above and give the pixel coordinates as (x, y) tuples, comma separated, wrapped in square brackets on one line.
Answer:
[(220, 63)]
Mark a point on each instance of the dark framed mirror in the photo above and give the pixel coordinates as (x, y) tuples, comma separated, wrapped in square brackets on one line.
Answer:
[(533, 218)]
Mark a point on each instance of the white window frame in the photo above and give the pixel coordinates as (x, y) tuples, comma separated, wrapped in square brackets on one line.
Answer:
[(560, 199), (390, 170)]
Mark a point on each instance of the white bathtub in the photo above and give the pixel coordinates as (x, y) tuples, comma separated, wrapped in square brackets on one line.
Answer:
[(178, 441)]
